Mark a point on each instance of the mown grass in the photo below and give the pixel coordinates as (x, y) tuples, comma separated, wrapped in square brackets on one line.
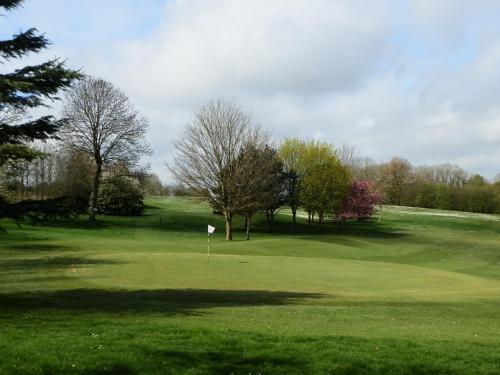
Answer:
[(412, 294)]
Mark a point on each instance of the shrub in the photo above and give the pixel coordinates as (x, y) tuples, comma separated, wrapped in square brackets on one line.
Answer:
[(360, 202), (120, 196), (42, 210)]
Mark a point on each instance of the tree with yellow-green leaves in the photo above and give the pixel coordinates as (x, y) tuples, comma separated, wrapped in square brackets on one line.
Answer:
[(325, 181), (321, 181)]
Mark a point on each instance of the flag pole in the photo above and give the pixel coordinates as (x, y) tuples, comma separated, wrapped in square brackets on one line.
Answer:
[(211, 229)]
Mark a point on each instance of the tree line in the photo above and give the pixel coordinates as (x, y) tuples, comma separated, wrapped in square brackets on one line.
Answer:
[(444, 186)]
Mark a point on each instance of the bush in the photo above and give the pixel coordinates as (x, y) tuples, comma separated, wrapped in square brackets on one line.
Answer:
[(42, 210), (361, 201), (120, 196)]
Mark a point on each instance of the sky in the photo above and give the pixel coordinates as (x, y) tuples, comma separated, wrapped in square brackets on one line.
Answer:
[(416, 79)]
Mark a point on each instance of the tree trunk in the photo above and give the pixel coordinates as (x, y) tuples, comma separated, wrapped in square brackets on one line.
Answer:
[(294, 217), (229, 226), (309, 217), (247, 220), (95, 192), (270, 218)]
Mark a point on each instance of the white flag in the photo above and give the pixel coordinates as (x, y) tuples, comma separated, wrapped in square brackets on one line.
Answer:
[(211, 229)]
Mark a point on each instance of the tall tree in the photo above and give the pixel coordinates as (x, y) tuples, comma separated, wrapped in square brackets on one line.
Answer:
[(207, 153), (27, 88), (103, 123), (23, 89)]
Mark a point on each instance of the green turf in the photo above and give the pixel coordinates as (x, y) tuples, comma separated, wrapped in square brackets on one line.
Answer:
[(417, 293)]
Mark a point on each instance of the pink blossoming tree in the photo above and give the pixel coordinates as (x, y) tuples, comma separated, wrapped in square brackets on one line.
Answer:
[(360, 202)]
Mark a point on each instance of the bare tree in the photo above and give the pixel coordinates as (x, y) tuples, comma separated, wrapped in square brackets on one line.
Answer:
[(207, 152), (347, 155), (103, 124)]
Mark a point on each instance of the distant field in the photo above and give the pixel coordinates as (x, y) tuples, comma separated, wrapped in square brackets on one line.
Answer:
[(416, 293)]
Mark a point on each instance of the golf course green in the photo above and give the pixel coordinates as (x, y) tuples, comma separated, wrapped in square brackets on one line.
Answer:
[(417, 292)]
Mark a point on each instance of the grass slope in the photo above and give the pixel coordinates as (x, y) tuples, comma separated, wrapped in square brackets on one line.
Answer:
[(417, 293)]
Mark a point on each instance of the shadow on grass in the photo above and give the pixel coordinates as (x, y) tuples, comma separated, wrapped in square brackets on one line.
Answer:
[(162, 301), (175, 220), (329, 230), (233, 361), (230, 361), (211, 352), (37, 247), (53, 262)]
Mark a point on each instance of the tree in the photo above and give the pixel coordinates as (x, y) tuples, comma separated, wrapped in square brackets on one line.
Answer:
[(207, 153), (361, 201), (27, 88), (152, 185), (32, 179), (324, 182), (425, 195), (396, 174), (290, 152), (347, 156), (74, 176), (103, 123), (449, 174), (315, 177), (444, 197), (259, 173)]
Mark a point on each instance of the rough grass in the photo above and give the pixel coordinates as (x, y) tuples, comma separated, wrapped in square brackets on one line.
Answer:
[(416, 293)]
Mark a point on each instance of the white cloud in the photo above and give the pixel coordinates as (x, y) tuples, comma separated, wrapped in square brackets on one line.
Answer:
[(257, 47)]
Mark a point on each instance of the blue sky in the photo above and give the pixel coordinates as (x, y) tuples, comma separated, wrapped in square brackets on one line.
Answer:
[(418, 79)]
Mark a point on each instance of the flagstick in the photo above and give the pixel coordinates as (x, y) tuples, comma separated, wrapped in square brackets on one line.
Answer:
[(210, 230)]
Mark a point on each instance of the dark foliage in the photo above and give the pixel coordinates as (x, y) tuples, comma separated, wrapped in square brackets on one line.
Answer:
[(10, 4), (42, 210), (40, 129), (28, 87), (22, 43), (31, 85)]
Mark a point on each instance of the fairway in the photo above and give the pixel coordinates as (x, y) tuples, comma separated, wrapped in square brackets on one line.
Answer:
[(416, 293)]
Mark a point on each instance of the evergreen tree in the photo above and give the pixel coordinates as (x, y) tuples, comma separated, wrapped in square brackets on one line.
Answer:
[(23, 89), (27, 88)]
